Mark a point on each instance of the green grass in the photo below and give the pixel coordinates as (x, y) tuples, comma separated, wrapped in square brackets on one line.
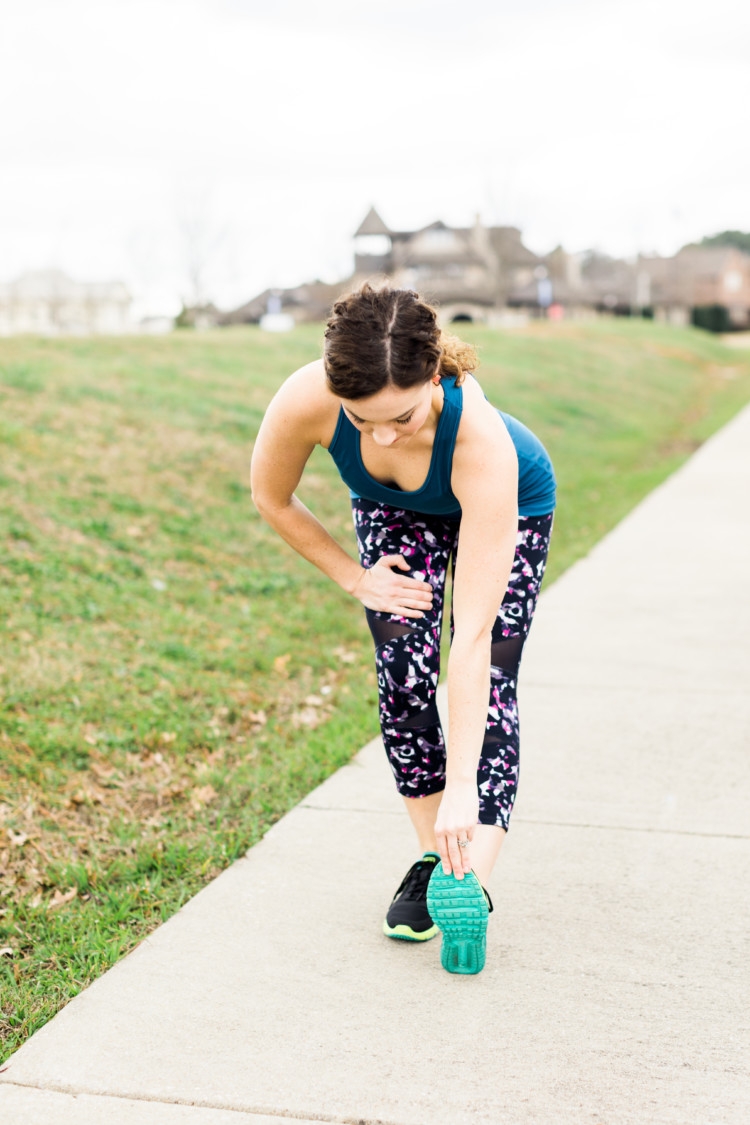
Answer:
[(172, 678)]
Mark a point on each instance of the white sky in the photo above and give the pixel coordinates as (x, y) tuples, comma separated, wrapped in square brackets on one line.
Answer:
[(270, 128)]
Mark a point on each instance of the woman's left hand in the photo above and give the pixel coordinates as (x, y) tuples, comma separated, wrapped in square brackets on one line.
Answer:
[(456, 820)]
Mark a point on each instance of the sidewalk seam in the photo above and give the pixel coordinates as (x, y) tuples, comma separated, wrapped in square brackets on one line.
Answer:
[(625, 688), (350, 809), (327, 1118), (550, 823), (629, 828)]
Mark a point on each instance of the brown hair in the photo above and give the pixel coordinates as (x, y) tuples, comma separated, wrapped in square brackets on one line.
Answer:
[(388, 337)]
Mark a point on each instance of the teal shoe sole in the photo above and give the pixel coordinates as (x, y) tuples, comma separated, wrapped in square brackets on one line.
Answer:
[(459, 909)]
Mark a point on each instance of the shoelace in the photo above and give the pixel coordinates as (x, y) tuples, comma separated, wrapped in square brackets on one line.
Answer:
[(414, 882)]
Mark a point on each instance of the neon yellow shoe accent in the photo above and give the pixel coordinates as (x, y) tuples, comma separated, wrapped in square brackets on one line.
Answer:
[(406, 933)]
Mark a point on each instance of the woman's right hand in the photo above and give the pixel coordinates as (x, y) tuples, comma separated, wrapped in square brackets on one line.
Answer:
[(384, 590)]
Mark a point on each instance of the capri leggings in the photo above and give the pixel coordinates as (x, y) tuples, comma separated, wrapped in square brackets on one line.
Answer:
[(407, 653)]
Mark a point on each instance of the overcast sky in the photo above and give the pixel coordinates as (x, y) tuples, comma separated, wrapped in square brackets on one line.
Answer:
[(136, 134)]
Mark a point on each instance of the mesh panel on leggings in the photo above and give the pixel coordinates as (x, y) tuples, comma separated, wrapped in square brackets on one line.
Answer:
[(506, 653), (384, 630)]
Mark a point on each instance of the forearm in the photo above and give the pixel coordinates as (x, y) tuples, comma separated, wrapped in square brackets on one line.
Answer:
[(468, 696), (306, 535)]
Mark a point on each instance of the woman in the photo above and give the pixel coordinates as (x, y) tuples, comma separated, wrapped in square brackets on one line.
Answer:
[(436, 475)]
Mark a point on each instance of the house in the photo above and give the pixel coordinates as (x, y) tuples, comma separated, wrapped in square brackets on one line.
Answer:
[(311, 301), (487, 274), (709, 285), (472, 273), (49, 303)]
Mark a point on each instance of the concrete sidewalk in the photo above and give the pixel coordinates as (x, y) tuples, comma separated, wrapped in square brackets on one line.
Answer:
[(616, 987)]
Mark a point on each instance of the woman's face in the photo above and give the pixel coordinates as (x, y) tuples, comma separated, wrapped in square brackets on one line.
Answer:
[(393, 415)]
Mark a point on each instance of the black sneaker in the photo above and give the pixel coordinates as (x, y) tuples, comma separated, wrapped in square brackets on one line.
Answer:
[(408, 918)]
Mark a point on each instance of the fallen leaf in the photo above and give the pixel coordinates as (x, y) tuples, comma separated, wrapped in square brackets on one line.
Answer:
[(307, 717), (60, 898), (280, 663), (314, 700), (167, 736), (7, 951), (17, 839), (203, 796), (102, 771)]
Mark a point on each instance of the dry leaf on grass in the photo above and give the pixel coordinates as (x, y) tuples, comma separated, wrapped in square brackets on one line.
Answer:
[(310, 717), (203, 796), (60, 898)]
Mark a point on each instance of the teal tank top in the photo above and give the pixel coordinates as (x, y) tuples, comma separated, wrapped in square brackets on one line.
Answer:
[(536, 477)]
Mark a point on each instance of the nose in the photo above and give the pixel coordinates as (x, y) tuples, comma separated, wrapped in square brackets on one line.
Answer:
[(384, 436)]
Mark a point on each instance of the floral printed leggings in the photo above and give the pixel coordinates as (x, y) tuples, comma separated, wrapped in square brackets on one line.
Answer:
[(407, 653)]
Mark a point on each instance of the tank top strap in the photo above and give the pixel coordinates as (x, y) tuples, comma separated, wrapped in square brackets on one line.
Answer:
[(445, 436)]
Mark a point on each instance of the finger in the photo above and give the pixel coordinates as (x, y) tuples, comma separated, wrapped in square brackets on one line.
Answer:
[(395, 560), (410, 606), (466, 854), (454, 854), (415, 583), (414, 602), (442, 848), (415, 591), (467, 834)]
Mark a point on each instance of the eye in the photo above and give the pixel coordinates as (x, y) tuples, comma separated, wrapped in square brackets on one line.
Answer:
[(353, 417), (404, 421)]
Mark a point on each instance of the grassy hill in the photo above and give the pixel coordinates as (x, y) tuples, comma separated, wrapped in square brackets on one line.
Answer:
[(172, 677)]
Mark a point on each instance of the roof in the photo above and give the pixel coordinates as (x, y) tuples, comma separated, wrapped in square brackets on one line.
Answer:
[(371, 224)]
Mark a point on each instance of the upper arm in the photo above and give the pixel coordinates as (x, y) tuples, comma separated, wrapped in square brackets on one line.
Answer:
[(292, 426), (485, 482)]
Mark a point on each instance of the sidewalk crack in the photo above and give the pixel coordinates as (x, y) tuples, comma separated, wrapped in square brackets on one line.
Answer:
[(286, 1115)]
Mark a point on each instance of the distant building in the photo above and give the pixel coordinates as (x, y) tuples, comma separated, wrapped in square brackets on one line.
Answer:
[(487, 274), (49, 303), (698, 279), (472, 273), (311, 301)]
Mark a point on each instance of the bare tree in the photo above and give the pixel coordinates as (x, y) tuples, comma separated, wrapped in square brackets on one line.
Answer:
[(201, 241)]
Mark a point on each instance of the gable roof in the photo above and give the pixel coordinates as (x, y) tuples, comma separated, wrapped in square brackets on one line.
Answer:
[(371, 224)]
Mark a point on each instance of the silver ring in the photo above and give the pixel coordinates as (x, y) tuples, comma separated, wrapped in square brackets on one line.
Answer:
[(462, 843)]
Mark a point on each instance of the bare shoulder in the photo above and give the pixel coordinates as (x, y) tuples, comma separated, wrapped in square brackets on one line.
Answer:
[(485, 466), (479, 419), (305, 405)]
